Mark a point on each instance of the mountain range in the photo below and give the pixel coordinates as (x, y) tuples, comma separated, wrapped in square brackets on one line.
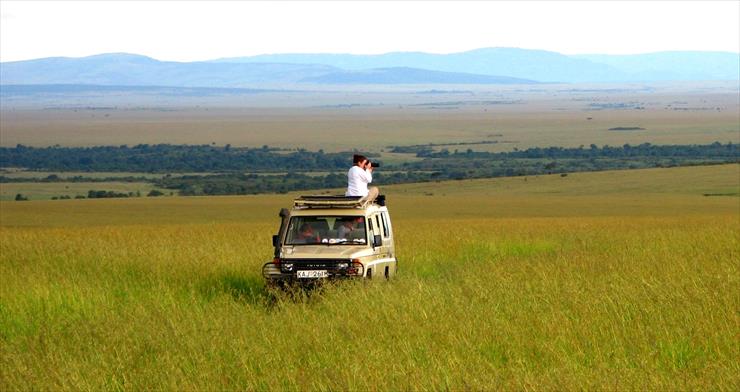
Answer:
[(480, 66)]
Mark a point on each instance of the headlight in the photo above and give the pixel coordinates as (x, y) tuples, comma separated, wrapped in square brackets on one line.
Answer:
[(357, 268), (342, 265)]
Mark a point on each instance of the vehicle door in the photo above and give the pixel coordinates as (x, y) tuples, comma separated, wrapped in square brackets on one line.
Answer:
[(388, 242), (379, 227)]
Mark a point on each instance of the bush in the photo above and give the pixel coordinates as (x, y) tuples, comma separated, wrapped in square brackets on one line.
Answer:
[(93, 194), (154, 193)]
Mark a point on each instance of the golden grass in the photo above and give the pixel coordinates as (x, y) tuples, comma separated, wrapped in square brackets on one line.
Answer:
[(551, 117), (631, 287)]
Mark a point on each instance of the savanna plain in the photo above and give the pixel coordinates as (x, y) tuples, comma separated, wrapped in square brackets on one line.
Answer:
[(611, 281), (344, 119)]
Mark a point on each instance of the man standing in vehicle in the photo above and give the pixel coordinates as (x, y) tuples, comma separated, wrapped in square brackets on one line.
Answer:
[(359, 176)]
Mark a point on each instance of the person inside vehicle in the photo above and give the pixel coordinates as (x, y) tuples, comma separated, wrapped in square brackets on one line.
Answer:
[(358, 178), (307, 235), (348, 226)]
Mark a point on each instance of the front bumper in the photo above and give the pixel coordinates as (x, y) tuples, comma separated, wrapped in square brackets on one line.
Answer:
[(273, 272)]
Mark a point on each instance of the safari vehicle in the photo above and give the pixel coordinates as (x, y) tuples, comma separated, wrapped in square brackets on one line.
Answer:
[(332, 237)]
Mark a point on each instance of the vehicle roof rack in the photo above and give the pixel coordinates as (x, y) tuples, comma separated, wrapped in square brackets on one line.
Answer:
[(325, 201)]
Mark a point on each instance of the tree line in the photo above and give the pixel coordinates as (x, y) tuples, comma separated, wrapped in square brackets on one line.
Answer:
[(434, 165), (161, 158), (467, 165), (714, 150)]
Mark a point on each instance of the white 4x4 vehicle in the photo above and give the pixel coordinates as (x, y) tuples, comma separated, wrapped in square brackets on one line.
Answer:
[(332, 237)]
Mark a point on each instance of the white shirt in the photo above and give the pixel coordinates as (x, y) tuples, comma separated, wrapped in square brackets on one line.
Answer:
[(357, 180)]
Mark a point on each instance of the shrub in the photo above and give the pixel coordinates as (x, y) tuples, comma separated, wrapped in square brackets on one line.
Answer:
[(154, 193)]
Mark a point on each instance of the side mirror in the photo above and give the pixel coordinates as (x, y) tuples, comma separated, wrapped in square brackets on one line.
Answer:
[(377, 240), (275, 241)]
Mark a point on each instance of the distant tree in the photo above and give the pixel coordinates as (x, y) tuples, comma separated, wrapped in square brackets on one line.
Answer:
[(20, 197)]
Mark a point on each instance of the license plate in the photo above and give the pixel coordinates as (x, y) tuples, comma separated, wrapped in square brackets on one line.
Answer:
[(313, 274)]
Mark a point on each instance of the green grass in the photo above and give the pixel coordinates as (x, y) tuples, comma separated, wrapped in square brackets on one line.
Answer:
[(612, 281), (23, 174), (47, 190)]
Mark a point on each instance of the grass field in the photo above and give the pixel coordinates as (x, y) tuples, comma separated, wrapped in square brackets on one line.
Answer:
[(611, 281), (23, 174), (47, 190), (541, 116)]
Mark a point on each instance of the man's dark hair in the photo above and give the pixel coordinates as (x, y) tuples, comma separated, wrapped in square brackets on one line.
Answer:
[(358, 158)]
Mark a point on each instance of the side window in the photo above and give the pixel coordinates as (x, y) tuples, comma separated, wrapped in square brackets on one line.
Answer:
[(386, 232), (370, 224), (377, 224), (388, 224)]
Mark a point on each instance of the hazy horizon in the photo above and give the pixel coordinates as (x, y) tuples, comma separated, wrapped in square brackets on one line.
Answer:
[(199, 31), (374, 54)]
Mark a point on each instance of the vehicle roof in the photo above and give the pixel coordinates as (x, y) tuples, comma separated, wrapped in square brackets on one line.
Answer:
[(370, 209), (336, 205)]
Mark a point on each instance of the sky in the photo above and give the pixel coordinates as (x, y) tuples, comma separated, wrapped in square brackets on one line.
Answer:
[(194, 30)]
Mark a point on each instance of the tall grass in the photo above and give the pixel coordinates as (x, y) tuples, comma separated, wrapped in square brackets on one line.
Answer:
[(563, 302)]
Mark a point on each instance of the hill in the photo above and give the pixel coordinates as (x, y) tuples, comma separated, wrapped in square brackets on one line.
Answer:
[(661, 66), (480, 66), (120, 69), (541, 65)]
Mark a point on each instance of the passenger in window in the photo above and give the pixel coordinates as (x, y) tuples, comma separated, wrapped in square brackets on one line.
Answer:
[(348, 226), (307, 235)]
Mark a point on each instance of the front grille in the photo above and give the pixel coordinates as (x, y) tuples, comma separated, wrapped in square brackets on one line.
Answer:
[(322, 264)]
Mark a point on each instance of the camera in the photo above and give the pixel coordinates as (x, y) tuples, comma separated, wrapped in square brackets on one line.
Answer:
[(374, 164)]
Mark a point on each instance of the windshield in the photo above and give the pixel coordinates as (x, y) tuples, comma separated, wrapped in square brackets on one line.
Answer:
[(330, 230)]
